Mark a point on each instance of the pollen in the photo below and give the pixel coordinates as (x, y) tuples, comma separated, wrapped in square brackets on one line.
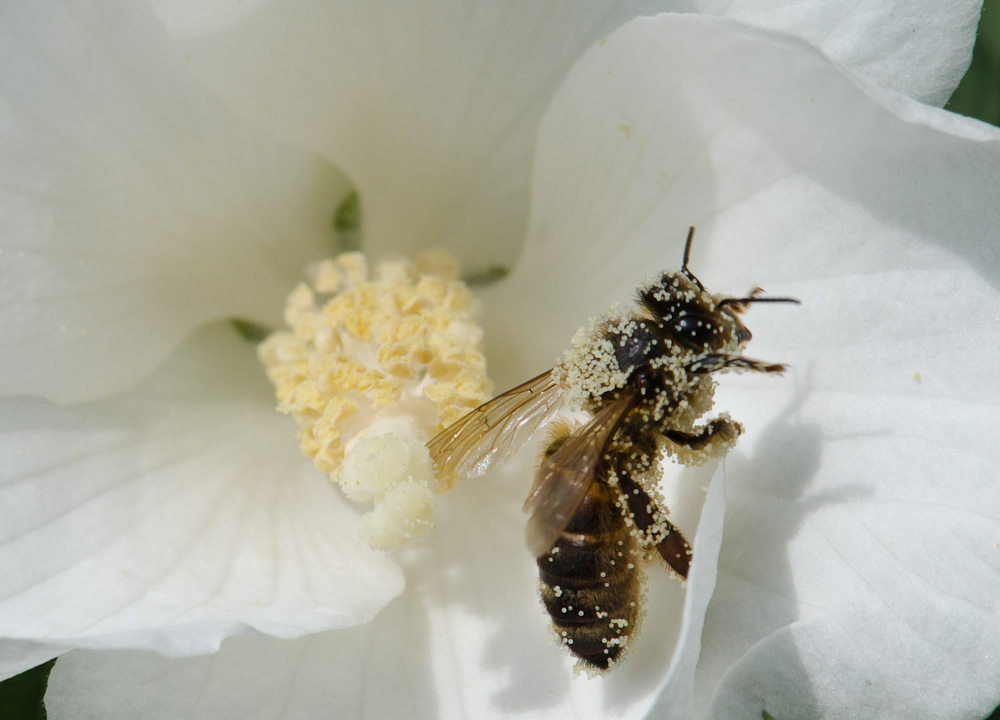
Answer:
[(371, 366), (589, 369)]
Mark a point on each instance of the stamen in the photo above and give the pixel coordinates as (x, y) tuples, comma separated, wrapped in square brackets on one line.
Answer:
[(371, 367)]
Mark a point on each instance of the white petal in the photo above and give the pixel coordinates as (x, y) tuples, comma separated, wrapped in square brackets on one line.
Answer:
[(863, 508), (919, 48), (675, 698), (133, 205), (16, 656), (431, 108), (174, 516), (467, 640)]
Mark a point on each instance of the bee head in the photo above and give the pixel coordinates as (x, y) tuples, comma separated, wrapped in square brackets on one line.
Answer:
[(697, 320), (692, 317)]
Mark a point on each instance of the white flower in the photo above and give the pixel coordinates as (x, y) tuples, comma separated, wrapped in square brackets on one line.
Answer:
[(165, 506)]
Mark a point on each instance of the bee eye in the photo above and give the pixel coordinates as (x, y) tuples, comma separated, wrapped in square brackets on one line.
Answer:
[(695, 328), (686, 320)]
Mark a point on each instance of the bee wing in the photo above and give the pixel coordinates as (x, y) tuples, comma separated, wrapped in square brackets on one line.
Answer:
[(565, 476), (495, 429)]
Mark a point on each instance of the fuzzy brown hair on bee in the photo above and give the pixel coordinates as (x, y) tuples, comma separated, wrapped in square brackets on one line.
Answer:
[(595, 517)]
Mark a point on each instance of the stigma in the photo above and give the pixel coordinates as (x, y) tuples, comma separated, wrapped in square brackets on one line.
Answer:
[(371, 366)]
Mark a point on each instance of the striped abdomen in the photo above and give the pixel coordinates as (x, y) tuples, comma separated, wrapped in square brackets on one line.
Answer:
[(590, 579)]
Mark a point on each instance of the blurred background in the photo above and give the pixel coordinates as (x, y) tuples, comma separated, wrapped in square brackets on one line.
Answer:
[(979, 94)]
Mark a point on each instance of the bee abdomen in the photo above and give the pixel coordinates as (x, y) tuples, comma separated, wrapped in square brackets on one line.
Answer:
[(582, 561), (594, 616), (592, 630), (590, 584)]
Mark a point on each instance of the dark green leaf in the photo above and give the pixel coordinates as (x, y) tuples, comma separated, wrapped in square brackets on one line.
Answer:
[(978, 95), (21, 697)]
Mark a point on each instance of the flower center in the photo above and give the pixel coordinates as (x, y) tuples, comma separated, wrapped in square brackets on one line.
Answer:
[(372, 365)]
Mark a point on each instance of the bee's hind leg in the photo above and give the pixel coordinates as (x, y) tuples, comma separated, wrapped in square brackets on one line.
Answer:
[(651, 521)]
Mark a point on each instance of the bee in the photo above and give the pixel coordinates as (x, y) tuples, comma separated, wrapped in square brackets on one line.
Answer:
[(595, 517)]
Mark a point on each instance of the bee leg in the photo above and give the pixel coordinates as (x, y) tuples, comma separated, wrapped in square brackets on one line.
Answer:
[(711, 440), (715, 363), (652, 523)]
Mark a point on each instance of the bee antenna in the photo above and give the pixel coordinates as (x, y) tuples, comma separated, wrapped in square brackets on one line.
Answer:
[(687, 256), (757, 299), (687, 250)]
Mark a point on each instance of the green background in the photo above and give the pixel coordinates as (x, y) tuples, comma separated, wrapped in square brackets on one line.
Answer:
[(978, 96)]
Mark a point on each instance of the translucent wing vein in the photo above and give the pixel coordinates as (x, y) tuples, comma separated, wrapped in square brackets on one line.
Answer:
[(496, 429)]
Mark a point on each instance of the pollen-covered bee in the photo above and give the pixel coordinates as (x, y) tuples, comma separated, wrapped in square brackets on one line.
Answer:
[(595, 516)]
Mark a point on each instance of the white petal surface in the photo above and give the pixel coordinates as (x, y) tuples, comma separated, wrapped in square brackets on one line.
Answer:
[(859, 574), (133, 206), (173, 516), (921, 48), (467, 640), (917, 47), (431, 108)]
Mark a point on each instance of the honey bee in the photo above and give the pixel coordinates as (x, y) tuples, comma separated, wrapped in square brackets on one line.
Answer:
[(595, 516)]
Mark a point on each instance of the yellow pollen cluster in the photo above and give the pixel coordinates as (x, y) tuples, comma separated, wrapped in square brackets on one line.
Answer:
[(371, 366), (590, 368)]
